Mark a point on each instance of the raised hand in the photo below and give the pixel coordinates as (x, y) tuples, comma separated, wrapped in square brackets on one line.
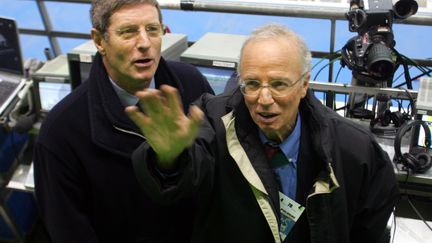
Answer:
[(167, 129)]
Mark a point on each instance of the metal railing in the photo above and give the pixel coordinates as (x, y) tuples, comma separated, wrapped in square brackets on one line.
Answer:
[(301, 9), (304, 9)]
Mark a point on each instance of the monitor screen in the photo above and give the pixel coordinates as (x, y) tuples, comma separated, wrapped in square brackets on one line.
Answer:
[(421, 133), (10, 52), (217, 77), (51, 93)]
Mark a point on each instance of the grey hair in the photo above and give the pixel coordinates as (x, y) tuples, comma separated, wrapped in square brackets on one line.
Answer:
[(270, 31), (102, 10)]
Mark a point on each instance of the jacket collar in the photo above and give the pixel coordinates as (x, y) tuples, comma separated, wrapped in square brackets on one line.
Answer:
[(316, 117), (313, 113), (247, 133), (110, 127), (254, 167)]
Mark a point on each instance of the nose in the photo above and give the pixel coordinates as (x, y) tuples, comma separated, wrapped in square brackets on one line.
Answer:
[(265, 97), (143, 41)]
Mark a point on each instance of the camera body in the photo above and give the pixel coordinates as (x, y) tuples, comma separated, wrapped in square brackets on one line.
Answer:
[(370, 54)]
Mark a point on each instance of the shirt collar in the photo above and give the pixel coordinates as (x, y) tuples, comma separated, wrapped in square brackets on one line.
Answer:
[(126, 98), (290, 146)]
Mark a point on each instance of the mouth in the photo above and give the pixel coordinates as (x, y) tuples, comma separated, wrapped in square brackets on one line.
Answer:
[(143, 62), (266, 117)]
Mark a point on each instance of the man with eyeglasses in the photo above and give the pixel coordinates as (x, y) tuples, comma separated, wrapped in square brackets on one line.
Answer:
[(268, 161), (86, 189)]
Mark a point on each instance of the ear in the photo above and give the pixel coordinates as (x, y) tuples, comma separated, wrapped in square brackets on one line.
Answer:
[(305, 84), (98, 40)]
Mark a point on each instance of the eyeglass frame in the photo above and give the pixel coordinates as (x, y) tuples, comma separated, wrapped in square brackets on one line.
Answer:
[(243, 84), (136, 31)]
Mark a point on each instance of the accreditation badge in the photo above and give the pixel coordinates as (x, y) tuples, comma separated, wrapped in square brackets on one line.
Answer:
[(290, 213)]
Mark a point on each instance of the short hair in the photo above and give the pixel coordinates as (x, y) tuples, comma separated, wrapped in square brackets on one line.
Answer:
[(270, 31), (102, 10)]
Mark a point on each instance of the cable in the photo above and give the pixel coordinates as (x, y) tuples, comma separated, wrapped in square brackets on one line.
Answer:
[(412, 62), (421, 75), (316, 64), (418, 214), (405, 61), (411, 100), (337, 74), (326, 58), (400, 75), (414, 78), (394, 228), (406, 73), (398, 201), (394, 217), (409, 200), (424, 70), (347, 105), (326, 65)]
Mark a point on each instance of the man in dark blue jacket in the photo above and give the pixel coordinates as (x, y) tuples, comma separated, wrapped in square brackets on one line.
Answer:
[(320, 179), (84, 182)]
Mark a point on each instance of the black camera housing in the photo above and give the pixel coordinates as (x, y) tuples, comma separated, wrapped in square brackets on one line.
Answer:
[(370, 55)]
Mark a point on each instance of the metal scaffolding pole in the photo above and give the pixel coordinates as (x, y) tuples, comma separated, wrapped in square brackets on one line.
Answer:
[(272, 7), (279, 8)]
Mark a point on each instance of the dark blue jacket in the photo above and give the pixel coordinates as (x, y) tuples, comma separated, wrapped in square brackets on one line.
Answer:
[(85, 185)]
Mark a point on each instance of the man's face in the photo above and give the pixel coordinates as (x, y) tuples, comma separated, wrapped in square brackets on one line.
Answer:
[(131, 53), (267, 61)]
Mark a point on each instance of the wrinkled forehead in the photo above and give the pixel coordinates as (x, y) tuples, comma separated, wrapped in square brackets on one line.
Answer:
[(133, 14), (271, 54)]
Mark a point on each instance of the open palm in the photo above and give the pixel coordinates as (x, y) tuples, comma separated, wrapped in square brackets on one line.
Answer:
[(167, 129)]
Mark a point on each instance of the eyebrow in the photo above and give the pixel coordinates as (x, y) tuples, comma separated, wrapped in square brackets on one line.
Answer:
[(129, 25), (124, 27), (270, 78)]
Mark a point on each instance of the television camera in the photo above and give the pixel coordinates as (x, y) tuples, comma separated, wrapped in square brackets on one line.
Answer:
[(371, 54)]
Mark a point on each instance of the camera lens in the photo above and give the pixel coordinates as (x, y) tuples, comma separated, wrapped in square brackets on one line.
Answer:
[(405, 8), (379, 62)]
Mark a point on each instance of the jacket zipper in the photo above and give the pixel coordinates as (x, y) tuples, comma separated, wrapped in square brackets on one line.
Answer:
[(129, 132)]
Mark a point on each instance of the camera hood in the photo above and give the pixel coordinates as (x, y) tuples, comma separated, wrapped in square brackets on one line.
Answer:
[(405, 8)]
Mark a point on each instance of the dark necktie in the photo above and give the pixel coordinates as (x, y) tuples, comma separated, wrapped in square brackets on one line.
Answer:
[(277, 159), (284, 170), (275, 155)]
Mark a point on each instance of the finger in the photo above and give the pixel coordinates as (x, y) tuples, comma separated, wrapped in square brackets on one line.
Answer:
[(196, 117), (138, 117), (173, 100), (131, 108), (150, 101)]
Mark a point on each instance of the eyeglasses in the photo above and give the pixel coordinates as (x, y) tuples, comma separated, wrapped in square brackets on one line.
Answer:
[(277, 88), (130, 32)]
